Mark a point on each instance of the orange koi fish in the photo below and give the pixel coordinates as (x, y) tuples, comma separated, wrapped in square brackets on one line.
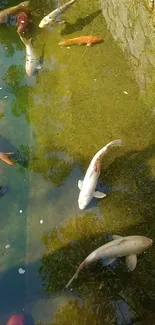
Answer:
[(81, 40), (6, 159)]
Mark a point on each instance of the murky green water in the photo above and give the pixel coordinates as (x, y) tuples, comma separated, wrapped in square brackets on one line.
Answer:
[(56, 122)]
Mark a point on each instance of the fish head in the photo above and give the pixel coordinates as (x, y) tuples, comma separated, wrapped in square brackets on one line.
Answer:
[(16, 320), (43, 22), (83, 201), (143, 243), (149, 242)]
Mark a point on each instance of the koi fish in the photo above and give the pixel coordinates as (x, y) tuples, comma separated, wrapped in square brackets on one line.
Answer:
[(23, 6), (16, 320), (129, 247), (81, 40), (33, 64), (22, 22), (51, 17), (6, 159), (88, 185)]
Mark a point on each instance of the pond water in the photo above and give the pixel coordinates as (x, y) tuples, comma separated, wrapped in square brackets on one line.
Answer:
[(83, 98)]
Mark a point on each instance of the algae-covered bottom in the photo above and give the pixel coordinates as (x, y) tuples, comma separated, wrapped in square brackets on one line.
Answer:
[(83, 98)]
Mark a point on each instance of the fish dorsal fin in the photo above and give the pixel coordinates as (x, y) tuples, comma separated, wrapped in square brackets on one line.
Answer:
[(116, 237), (131, 262)]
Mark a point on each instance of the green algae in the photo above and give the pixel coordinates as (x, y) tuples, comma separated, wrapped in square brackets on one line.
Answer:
[(81, 314), (76, 105)]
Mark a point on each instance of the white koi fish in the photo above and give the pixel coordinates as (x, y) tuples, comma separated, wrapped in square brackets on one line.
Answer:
[(88, 185), (129, 247), (51, 17), (32, 62)]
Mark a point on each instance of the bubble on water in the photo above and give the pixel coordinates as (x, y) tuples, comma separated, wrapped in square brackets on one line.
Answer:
[(125, 92), (21, 271), (7, 246), (41, 221), (5, 96), (20, 211)]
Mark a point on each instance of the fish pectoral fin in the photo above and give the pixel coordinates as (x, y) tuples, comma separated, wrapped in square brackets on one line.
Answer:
[(80, 183), (116, 237), (99, 195), (108, 261), (39, 64), (131, 262)]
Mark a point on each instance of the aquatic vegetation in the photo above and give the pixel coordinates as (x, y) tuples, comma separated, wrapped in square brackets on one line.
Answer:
[(83, 314), (1, 114)]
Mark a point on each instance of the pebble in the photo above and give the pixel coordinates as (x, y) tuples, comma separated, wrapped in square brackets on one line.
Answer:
[(21, 271), (7, 246), (20, 211), (41, 221)]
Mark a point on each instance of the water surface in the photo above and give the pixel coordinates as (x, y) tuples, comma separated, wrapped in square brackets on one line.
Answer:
[(55, 122)]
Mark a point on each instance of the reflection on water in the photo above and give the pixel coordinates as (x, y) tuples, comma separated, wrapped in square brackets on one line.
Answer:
[(54, 123)]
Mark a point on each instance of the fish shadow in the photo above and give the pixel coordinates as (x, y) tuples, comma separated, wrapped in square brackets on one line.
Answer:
[(79, 24)]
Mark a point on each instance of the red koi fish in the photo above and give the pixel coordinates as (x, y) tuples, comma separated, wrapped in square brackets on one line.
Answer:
[(81, 40), (22, 22), (16, 320)]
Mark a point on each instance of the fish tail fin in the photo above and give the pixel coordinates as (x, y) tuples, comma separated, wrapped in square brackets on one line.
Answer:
[(63, 42), (71, 280), (113, 143), (67, 5), (104, 150), (6, 159), (76, 273), (26, 41)]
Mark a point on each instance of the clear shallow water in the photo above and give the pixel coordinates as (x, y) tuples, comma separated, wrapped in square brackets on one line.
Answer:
[(57, 121)]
